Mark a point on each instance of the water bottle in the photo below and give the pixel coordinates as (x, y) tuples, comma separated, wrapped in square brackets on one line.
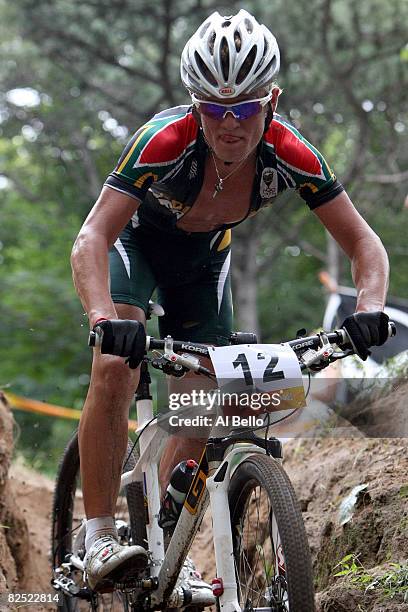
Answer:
[(180, 481)]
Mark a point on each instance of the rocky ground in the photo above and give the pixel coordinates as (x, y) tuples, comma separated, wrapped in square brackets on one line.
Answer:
[(323, 471)]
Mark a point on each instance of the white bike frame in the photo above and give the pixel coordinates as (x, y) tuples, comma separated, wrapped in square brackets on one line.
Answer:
[(166, 566)]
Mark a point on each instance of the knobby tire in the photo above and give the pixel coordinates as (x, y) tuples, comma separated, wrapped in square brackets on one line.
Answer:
[(262, 496)]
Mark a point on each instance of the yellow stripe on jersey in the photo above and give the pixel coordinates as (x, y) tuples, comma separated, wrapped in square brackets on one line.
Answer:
[(128, 156), (141, 179), (312, 187), (226, 241)]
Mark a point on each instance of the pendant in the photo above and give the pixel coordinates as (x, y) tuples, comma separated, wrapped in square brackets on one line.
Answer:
[(218, 187)]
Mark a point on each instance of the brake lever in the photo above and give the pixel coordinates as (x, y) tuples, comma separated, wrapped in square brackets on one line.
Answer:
[(341, 354), (314, 356), (187, 361), (168, 367)]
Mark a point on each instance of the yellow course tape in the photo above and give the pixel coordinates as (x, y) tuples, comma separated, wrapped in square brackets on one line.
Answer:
[(30, 405)]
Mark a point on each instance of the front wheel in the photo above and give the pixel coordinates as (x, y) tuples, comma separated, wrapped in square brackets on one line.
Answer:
[(271, 553)]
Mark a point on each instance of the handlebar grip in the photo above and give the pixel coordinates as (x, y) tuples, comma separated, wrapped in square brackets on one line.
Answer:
[(392, 331), (95, 339)]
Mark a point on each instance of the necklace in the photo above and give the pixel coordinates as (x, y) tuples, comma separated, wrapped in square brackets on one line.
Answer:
[(219, 186)]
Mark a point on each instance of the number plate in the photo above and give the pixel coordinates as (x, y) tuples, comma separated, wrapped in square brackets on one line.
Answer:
[(256, 372)]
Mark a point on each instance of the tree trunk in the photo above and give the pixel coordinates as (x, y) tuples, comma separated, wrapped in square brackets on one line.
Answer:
[(245, 276)]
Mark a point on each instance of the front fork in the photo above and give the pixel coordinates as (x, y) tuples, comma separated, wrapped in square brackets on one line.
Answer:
[(218, 485)]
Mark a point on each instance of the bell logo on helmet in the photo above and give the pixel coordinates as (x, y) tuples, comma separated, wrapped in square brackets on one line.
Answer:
[(226, 91)]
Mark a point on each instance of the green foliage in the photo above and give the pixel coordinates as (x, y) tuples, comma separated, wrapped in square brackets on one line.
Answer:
[(353, 568), (391, 584), (92, 72), (403, 492), (41, 439)]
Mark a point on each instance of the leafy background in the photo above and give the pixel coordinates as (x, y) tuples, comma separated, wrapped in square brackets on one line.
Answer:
[(78, 78)]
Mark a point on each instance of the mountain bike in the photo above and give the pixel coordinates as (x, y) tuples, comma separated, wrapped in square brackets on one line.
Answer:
[(263, 561)]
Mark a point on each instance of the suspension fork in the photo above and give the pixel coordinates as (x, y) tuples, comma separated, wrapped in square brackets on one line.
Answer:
[(218, 485)]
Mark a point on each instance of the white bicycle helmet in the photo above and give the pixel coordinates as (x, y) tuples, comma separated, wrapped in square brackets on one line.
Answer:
[(229, 56)]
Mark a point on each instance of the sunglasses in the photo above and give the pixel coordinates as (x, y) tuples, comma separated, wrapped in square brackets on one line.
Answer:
[(241, 111)]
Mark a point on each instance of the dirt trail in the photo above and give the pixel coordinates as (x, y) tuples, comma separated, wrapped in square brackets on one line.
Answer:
[(323, 471), (33, 494)]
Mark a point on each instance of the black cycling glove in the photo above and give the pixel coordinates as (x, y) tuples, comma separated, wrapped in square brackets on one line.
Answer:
[(366, 329), (124, 338)]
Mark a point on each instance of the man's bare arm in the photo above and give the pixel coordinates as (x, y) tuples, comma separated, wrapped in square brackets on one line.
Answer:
[(89, 258), (369, 260)]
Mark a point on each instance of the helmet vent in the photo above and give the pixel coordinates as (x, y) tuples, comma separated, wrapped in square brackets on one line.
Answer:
[(225, 58), (204, 29), (249, 26), (211, 42), (237, 40), (191, 68), (246, 66), (268, 68), (225, 24), (204, 70)]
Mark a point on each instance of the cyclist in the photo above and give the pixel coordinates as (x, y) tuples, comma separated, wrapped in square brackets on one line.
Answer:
[(165, 214)]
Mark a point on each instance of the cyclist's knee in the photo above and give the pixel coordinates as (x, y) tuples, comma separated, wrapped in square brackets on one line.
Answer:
[(111, 372)]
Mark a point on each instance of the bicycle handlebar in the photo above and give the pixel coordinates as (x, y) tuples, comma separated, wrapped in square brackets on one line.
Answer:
[(299, 345)]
